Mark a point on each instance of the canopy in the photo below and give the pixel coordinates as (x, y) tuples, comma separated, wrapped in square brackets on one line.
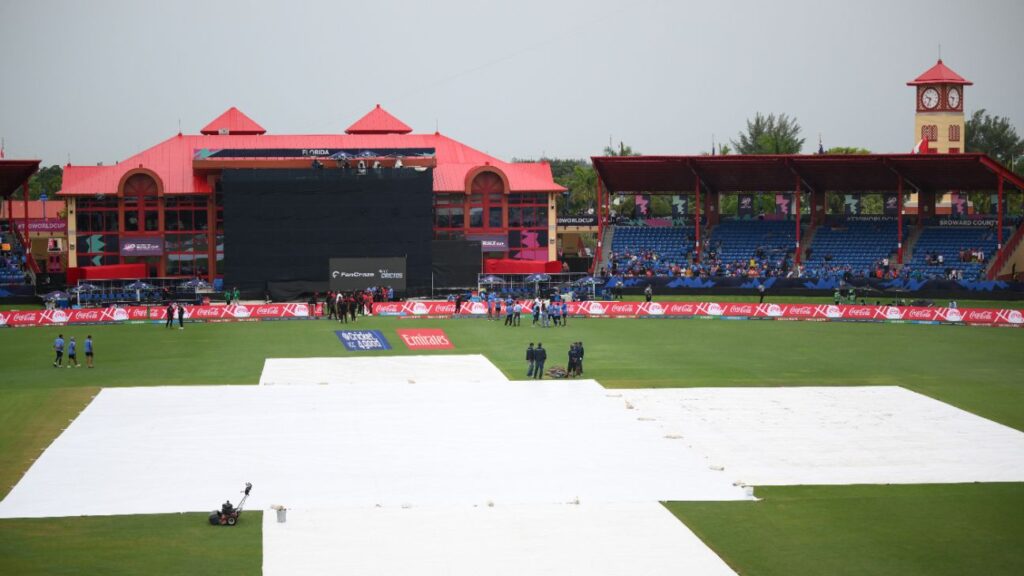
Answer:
[(819, 172)]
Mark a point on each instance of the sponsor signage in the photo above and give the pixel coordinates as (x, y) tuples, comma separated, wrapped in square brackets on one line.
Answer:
[(142, 245), (980, 223), (52, 226), (578, 220), (424, 339), (360, 273), (596, 309), (353, 154), (363, 340), (490, 242)]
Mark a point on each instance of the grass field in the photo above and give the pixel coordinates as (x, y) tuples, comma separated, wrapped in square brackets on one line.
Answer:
[(978, 369), (925, 530)]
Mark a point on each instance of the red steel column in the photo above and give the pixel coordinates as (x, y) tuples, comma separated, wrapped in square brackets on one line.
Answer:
[(600, 226), (796, 208), (696, 216), (899, 221), (24, 229), (999, 211)]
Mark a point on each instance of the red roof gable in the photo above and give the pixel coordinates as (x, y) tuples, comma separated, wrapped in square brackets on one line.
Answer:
[(233, 122), (939, 74), (378, 121), (171, 161)]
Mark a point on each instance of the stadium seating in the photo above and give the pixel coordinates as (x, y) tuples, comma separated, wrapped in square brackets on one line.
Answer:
[(732, 245), (851, 247), (769, 243), (638, 249), (950, 241)]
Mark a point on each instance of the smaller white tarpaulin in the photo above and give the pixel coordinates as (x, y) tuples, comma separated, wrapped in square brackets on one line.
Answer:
[(538, 540), (468, 368), (834, 435)]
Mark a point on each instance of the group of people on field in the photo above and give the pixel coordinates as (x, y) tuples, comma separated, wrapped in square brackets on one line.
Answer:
[(72, 349), (537, 356), (175, 310), (342, 306)]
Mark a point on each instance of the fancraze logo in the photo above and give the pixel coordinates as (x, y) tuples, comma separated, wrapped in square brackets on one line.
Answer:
[(340, 274)]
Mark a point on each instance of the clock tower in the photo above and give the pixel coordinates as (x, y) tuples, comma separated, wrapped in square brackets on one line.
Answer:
[(940, 109)]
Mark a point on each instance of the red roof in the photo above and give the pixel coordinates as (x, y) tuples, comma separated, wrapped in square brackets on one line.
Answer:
[(35, 208), (378, 121), (939, 74), (171, 160), (233, 121), (778, 173), (14, 173)]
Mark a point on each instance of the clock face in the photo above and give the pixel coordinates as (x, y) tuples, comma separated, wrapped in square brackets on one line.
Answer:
[(953, 98), (930, 98)]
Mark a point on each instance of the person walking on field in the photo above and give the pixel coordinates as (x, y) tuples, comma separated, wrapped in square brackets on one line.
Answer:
[(648, 293), (760, 292), (88, 351), (540, 355), (170, 315), (73, 353), (181, 316), (530, 357), (58, 348)]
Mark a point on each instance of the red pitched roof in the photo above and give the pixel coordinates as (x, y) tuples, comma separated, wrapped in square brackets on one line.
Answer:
[(35, 208), (233, 121), (171, 160), (14, 173), (378, 121), (939, 74), (777, 173)]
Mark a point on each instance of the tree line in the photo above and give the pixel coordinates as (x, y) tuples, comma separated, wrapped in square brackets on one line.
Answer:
[(781, 134), (764, 134)]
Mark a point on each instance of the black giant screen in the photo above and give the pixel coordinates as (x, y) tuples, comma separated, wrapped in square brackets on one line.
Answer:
[(282, 227)]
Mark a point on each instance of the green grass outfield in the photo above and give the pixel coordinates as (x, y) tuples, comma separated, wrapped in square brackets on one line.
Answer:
[(979, 369)]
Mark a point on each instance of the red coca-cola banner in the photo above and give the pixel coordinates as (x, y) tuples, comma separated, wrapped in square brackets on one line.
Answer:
[(820, 312), (142, 313), (612, 309)]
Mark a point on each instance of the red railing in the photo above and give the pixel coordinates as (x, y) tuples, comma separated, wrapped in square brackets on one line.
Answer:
[(1006, 252)]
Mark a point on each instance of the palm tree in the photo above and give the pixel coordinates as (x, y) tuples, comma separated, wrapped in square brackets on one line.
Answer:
[(770, 134)]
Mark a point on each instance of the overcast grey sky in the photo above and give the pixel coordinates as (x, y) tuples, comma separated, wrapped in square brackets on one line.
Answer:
[(101, 80)]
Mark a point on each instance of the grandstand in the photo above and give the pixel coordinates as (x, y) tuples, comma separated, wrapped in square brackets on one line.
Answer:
[(965, 251), (639, 249), (734, 243), (854, 247)]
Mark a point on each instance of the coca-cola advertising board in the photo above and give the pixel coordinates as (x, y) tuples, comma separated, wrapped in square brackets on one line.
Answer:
[(597, 309)]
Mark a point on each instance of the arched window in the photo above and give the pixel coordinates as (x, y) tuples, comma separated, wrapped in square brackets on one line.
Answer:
[(141, 210), (487, 201)]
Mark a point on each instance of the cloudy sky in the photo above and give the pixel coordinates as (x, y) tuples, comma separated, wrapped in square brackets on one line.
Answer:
[(100, 80)]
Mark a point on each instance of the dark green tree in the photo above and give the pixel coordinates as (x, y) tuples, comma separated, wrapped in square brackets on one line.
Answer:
[(622, 150), (770, 134), (995, 136), (847, 150), (48, 179)]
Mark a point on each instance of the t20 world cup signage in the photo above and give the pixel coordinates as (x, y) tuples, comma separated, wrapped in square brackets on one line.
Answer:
[(359, 273)]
